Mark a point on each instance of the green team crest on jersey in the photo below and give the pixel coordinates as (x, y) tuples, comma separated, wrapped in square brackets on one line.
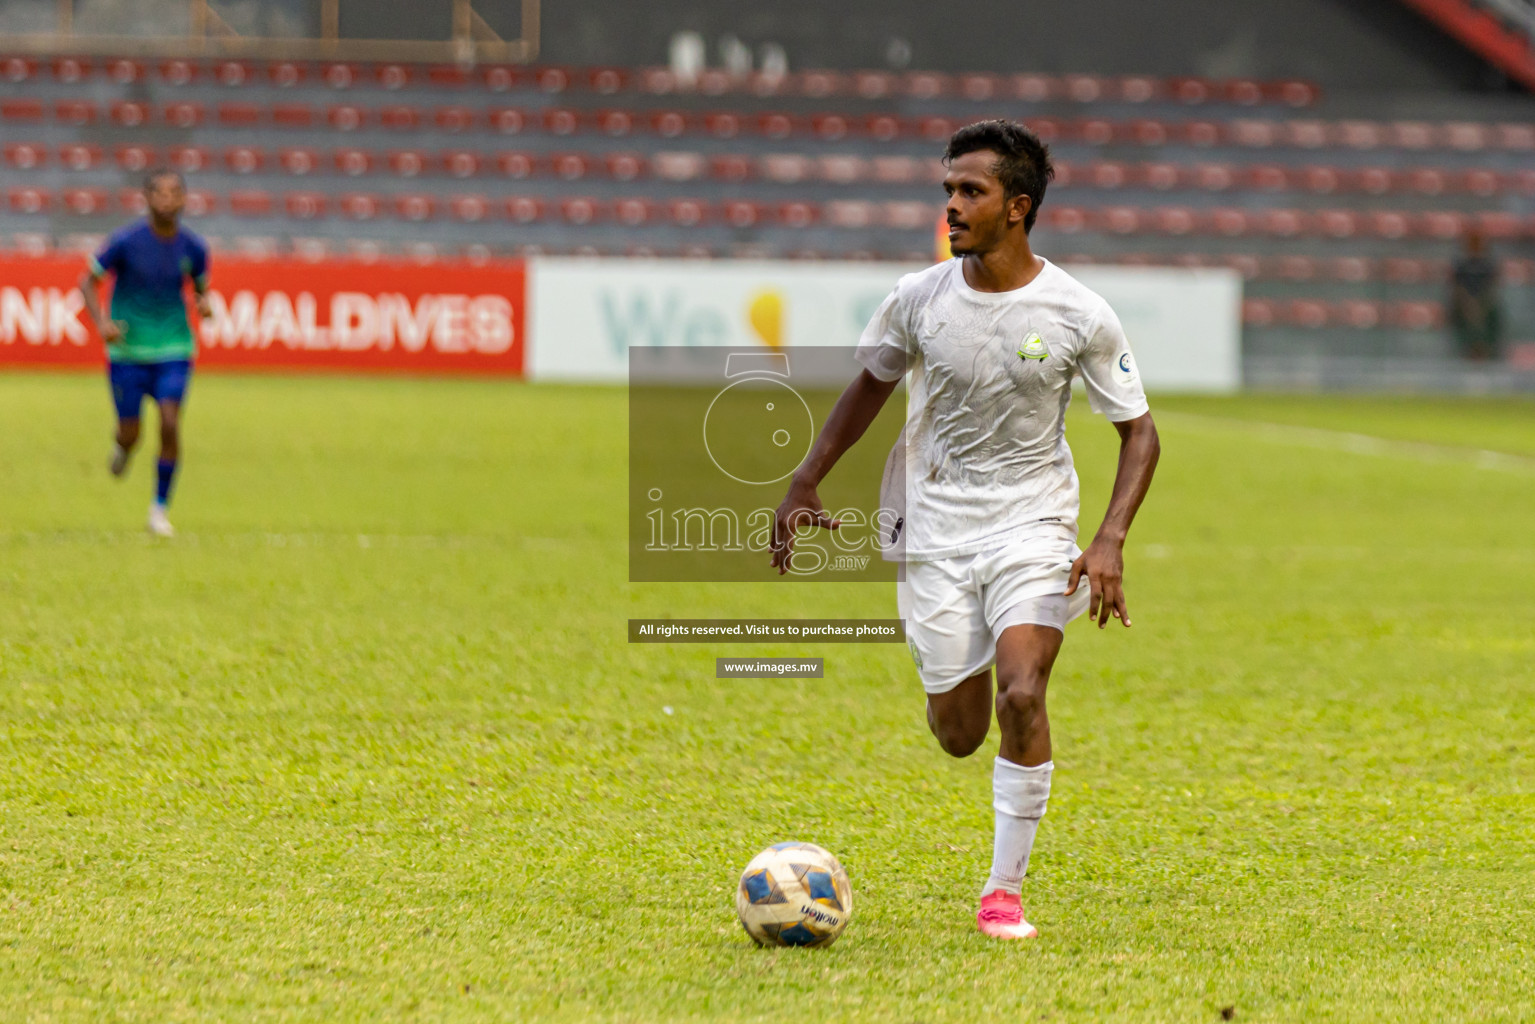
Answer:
[(1033, 347)]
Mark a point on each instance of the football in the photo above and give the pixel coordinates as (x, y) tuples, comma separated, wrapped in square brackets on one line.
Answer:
[(794, 894)]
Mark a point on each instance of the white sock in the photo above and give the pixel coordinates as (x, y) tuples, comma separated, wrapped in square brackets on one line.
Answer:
[(1018, 795)]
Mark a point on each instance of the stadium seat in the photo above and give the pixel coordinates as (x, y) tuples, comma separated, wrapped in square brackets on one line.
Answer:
[(399, 117), (796, 214), (244, 159), (1400, 270), (1388, 224), (32, 243), (359, 206), (306, 205), (124, 71), (1416, 316), (1214, 177), (1446, 225), (1499, 224), (1427, 181), (28, 200), (415, 206), (461, 163), (579, 210), (730, 168), (830, 127), (1358, 313), (607, 81), (722, 126), (1349, 268), (678, 165), (298, 160), (292, 115), (1231, 222), (393, 76), (1269, 178), (21, 110), (978, 88), (407, 163), (842, 170), (1480, 182), (1164, 177), (339, 76), (1377, 181), (286, 74), (75, 156), (1518, 138), (1260, 312), (907, 215), (187, 159), (524, 209), (128, 114), (1320, 179), (346, 117), (1295, 267), (1068, 220), (1175, 220), (183, 114), (686, 212), (1355, 134), (454, 119), (1306, 134), (200, 202), (1412, 135), (570, 166), (633, 212), (1522, 182), (507, 120), (882, 127), (1337, 223), (513, 164), (1252, 133), (1466, 136), (70, 70), (1308, 313), (895, 170), (469, 209), (1246, 92), (502, 78), (352, 162), (25, 156), (177, 72), (552, 79), (232, 72), (776, 126), (561, 121), (615, 123), (1033, 88), (786, 168), (85, 201), (851, 213), (18, 69), (741, 213), (239, 115), (250, 203), (75, 112)]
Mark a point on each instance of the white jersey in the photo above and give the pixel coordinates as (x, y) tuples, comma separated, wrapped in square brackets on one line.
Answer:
[(985, 452)]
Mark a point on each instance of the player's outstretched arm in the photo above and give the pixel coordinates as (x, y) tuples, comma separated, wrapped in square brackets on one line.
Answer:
[(107, 329), (860, 402), (1103, 563)]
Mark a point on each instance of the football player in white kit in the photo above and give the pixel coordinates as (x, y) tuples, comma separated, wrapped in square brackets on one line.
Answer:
[(992, 339)]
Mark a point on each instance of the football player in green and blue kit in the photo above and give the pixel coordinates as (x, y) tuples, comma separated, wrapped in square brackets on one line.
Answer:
[(148, 338)]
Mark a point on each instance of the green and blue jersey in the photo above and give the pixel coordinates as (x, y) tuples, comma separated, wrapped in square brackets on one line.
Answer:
[(150, 274)]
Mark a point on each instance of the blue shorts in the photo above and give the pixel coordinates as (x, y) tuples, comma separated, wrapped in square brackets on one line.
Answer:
[(131, 382)]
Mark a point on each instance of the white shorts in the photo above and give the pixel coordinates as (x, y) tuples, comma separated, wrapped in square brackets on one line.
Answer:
[(955, 608)]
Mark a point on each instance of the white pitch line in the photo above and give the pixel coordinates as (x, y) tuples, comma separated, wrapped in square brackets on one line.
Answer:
[(1357, 444)]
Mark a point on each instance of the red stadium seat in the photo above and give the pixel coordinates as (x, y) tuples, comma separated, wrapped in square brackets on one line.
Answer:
[(1428, 181), (200, 202), (178, 72), (1033, 88), (552, 79), (1377, 181), (908, 215), (85, 201), (1296, 268), (286, 74), (1164, 177), (1388, 224), (244, 160), (232, 72), (1416, 316), (730, 167), (1231, 222), (461, 163), (1360, 134), (1192, 91), (1467, 136), (298, 160), (722, 126), (1517, 138), (18, 69), (616, 123), (925, 85), (1246, 92), (1499, 224), (508, 120), (346, 117), (882, 128), (250, 203), (741, 213), (1321, 180), (188, 159), (306, 205), (1269, 178), (874, 85), (678, 166), (359, 206), (1522, 182), (851, 213), (407, 163), (77, 157), (686, 212), (570, 166), (76, 112), (1408, 271), (896, 170), (393, 76), (1204, 134), (470, 209), (1107, 174), (1215, 177), (415, 207), (633, 212), (399, 117), (125, 72), (561, 121), (831, 127), (981, 87), (1068, 220), (607, 81), (1086, 88), (239, 115), (1175, 220), (1142, 131), (1138, 88), (796, 214), (1308, 313), (776, 125), (1253, 133), (29, 200), (352, 162), (129, 114), (339, 76), (1349, 268), (1260, 312), (524, 209), (580, 210), (669, 124), (292, 115), (70, 70), (1443, 224), (1284, 223), (25, 156), (1358, 313), (1123, 220), (183, 115), (1293, 93), (454, 119), (1338, 223), (132, 201), (503, 78), (21, 110), (1481, 182), (514, 164)]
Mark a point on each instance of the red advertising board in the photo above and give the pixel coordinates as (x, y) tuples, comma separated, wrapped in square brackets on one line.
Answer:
[(292, 315)]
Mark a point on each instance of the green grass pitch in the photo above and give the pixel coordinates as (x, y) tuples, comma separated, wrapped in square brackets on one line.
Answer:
[(366, 742)]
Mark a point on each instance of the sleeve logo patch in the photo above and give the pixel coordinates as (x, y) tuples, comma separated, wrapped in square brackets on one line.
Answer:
[(1126, 367), (1033, 347)]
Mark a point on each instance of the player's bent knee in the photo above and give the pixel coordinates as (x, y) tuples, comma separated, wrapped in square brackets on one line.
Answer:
[(1022, 699), (959, 740)]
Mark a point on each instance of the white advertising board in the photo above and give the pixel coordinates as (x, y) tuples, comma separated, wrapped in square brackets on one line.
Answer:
[(585, 314)]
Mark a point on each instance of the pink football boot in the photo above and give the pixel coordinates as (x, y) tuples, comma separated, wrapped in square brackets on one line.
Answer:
[(1001, 917)]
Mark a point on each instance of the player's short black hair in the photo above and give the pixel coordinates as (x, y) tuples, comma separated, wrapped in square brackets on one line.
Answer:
[(163, 172), (1023, 162)]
